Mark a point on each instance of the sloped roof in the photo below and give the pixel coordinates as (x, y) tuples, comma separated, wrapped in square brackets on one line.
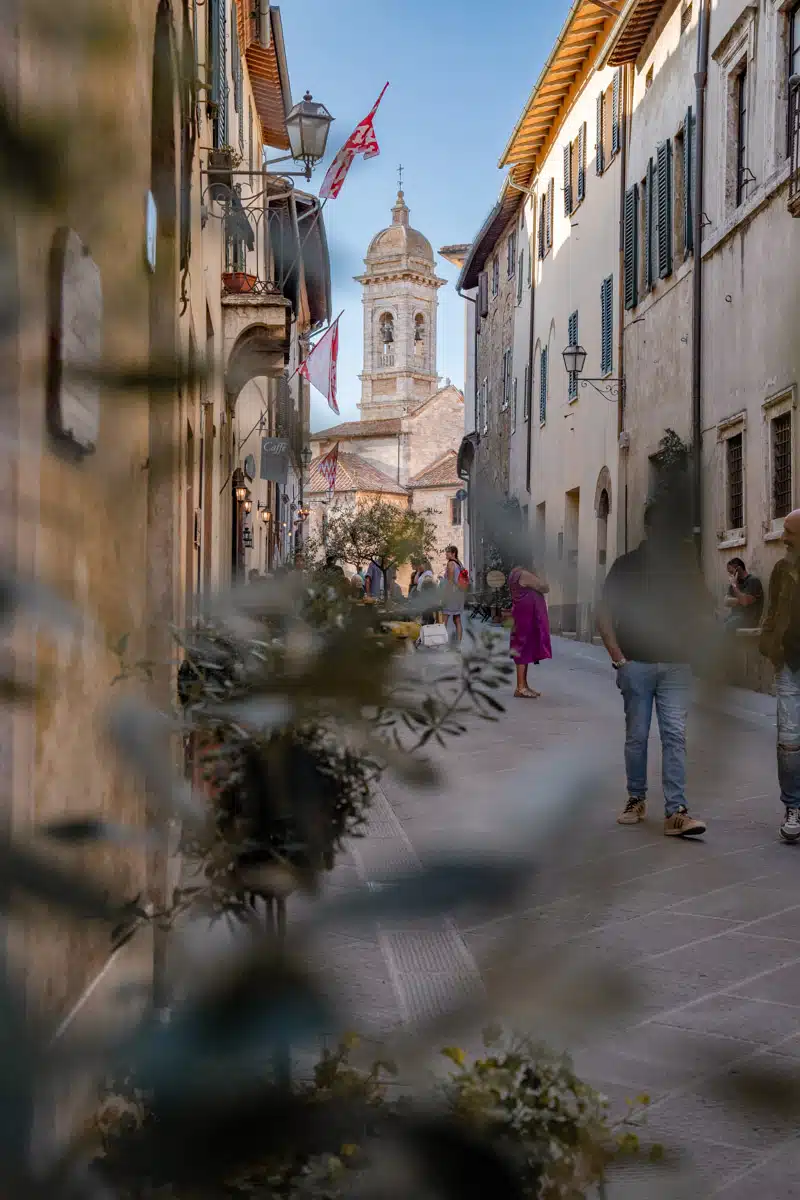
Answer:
[(577, 47), (455, 254), (269, 76), (354, 474), (631, 31), (442, 473), (489, 234), (385, 427)]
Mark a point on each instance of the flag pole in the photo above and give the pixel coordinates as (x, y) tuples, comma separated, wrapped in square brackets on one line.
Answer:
[(327, 329)]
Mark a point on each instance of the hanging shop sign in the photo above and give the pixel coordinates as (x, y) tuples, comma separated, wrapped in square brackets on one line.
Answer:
[(275, 459), (249, 466), (75, 342)]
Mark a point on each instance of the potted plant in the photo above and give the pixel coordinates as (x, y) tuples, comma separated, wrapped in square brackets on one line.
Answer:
[(238, 282)]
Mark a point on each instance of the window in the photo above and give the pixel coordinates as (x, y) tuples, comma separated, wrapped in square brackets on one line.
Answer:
[(686, 15), (734, 481), (520, 273), (663, 198), (487, 416), (572, 340), (742, 173), (530, 252), (250, 135), (511, 254), (483, 407), (616, 111), (543, 385), (495, 275), (607, 326), (526, 396), (549, 215), (575, 171), (630, 236), (455, 512), (781, 461), (542, 219), (605, 108), (644, 232), (507, 367), (483, 294), (514, 406), (682, 199), (216, 41), (793, 66)]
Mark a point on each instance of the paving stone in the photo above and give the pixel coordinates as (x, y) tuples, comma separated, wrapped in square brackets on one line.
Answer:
[(735, 1017), (742, 902), (776, 1177), (782, 985)]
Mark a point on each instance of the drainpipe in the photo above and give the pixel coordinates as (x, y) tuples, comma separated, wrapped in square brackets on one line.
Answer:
[(470, 497), (625, 132), (529, 394), (700, 80)]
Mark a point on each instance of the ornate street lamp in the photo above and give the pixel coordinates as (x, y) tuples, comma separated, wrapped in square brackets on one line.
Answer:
[(248, 505), (308, 124), (306, 456), (611, 387), (265, 514), (239, 485)]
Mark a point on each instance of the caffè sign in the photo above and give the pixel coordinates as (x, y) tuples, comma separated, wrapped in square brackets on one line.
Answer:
[(76, 343)]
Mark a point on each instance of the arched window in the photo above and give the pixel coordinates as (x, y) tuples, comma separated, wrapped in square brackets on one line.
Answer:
[(419, 335), (386, 323)]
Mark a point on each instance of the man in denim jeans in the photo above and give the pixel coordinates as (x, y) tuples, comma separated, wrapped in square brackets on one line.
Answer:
[(654, 603), (780, 643)]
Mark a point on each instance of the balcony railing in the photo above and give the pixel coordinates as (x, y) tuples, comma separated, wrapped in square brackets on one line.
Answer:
[(794, 145), (387, 360)]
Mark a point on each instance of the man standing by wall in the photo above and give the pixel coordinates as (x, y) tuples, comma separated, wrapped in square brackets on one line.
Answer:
[(654, 606), (780, 643)]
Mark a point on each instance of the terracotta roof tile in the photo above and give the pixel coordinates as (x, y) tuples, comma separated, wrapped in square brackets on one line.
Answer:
[(357, 429), (442, 473), (354, 474)]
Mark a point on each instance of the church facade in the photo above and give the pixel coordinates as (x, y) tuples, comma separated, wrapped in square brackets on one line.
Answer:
[(404, 447)]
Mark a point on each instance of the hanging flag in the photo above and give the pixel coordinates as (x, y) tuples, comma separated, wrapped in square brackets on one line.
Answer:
[(320, 366), (328, 465), (361, 141)]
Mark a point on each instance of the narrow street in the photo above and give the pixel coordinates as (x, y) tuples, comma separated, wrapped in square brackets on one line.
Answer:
[(707, 931)]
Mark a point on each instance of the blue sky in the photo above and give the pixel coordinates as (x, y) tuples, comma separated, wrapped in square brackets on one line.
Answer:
[(459, 74)]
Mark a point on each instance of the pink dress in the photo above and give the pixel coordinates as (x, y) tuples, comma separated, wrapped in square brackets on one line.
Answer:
[(530, 637)]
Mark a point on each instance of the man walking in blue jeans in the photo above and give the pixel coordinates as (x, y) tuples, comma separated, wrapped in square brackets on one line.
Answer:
[(780, 643), (654, 602)]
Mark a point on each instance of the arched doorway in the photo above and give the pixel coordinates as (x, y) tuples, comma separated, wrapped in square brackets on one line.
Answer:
[(602, 508)]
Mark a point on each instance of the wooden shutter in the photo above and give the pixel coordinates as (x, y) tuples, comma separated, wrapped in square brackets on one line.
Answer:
[(543, 385), (648, 224), (567, 179), (520, 273), (600, 161), (551, 195), (514, 406), (542, 220), (526, 395), (688, 181), (572, 340), (630, 235), (582, 161), (606, 325), (483, 294), (615, 111), (221, 73), (664, 158)]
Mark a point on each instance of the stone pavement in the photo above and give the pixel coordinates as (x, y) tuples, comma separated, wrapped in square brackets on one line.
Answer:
[(708, 931)]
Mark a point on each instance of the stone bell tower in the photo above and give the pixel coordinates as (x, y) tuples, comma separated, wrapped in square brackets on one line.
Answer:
[(400, 309)]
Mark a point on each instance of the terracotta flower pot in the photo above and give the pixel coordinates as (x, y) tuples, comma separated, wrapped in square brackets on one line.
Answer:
[(238, 281)]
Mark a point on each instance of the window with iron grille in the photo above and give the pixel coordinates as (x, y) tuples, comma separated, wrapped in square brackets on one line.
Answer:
[(734, 454), (781, 438), (793, 68), (543, 385), (742, 173)]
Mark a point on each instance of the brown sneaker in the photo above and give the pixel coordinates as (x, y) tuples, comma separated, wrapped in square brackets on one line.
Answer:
[(633, 812), (680, 824)]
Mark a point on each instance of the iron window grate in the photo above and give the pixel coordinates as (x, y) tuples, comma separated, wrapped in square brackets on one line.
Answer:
[(782, 465), (735, 482)]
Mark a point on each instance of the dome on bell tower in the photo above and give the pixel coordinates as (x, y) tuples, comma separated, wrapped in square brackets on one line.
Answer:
[(399, 242)]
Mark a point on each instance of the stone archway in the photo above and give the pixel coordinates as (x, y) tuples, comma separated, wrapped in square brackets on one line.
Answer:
[(602, 509)]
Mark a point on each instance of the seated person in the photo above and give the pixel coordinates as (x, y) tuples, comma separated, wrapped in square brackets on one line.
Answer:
[(744, 599)]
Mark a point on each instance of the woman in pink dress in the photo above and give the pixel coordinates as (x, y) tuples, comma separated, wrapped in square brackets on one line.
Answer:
[(530, 637)]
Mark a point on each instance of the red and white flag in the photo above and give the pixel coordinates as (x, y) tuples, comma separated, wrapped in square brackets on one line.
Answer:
[(361, 141), (320, 366), (328, 465)]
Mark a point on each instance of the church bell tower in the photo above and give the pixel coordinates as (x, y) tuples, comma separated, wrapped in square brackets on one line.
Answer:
[(400, 308)]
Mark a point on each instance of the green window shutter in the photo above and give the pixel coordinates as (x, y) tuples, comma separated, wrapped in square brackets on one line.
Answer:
[(599, 161), (630, 233), (567, 179), (221, 73), (606, 325), (572, 340), (615, 111), (582, 161), (688, 181), (543, 385), (526, 396), (664, 156), (520, 272), (548, 230), (648, 223)]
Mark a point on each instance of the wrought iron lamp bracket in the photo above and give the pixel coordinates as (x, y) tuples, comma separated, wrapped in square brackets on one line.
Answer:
[(610, 388)]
